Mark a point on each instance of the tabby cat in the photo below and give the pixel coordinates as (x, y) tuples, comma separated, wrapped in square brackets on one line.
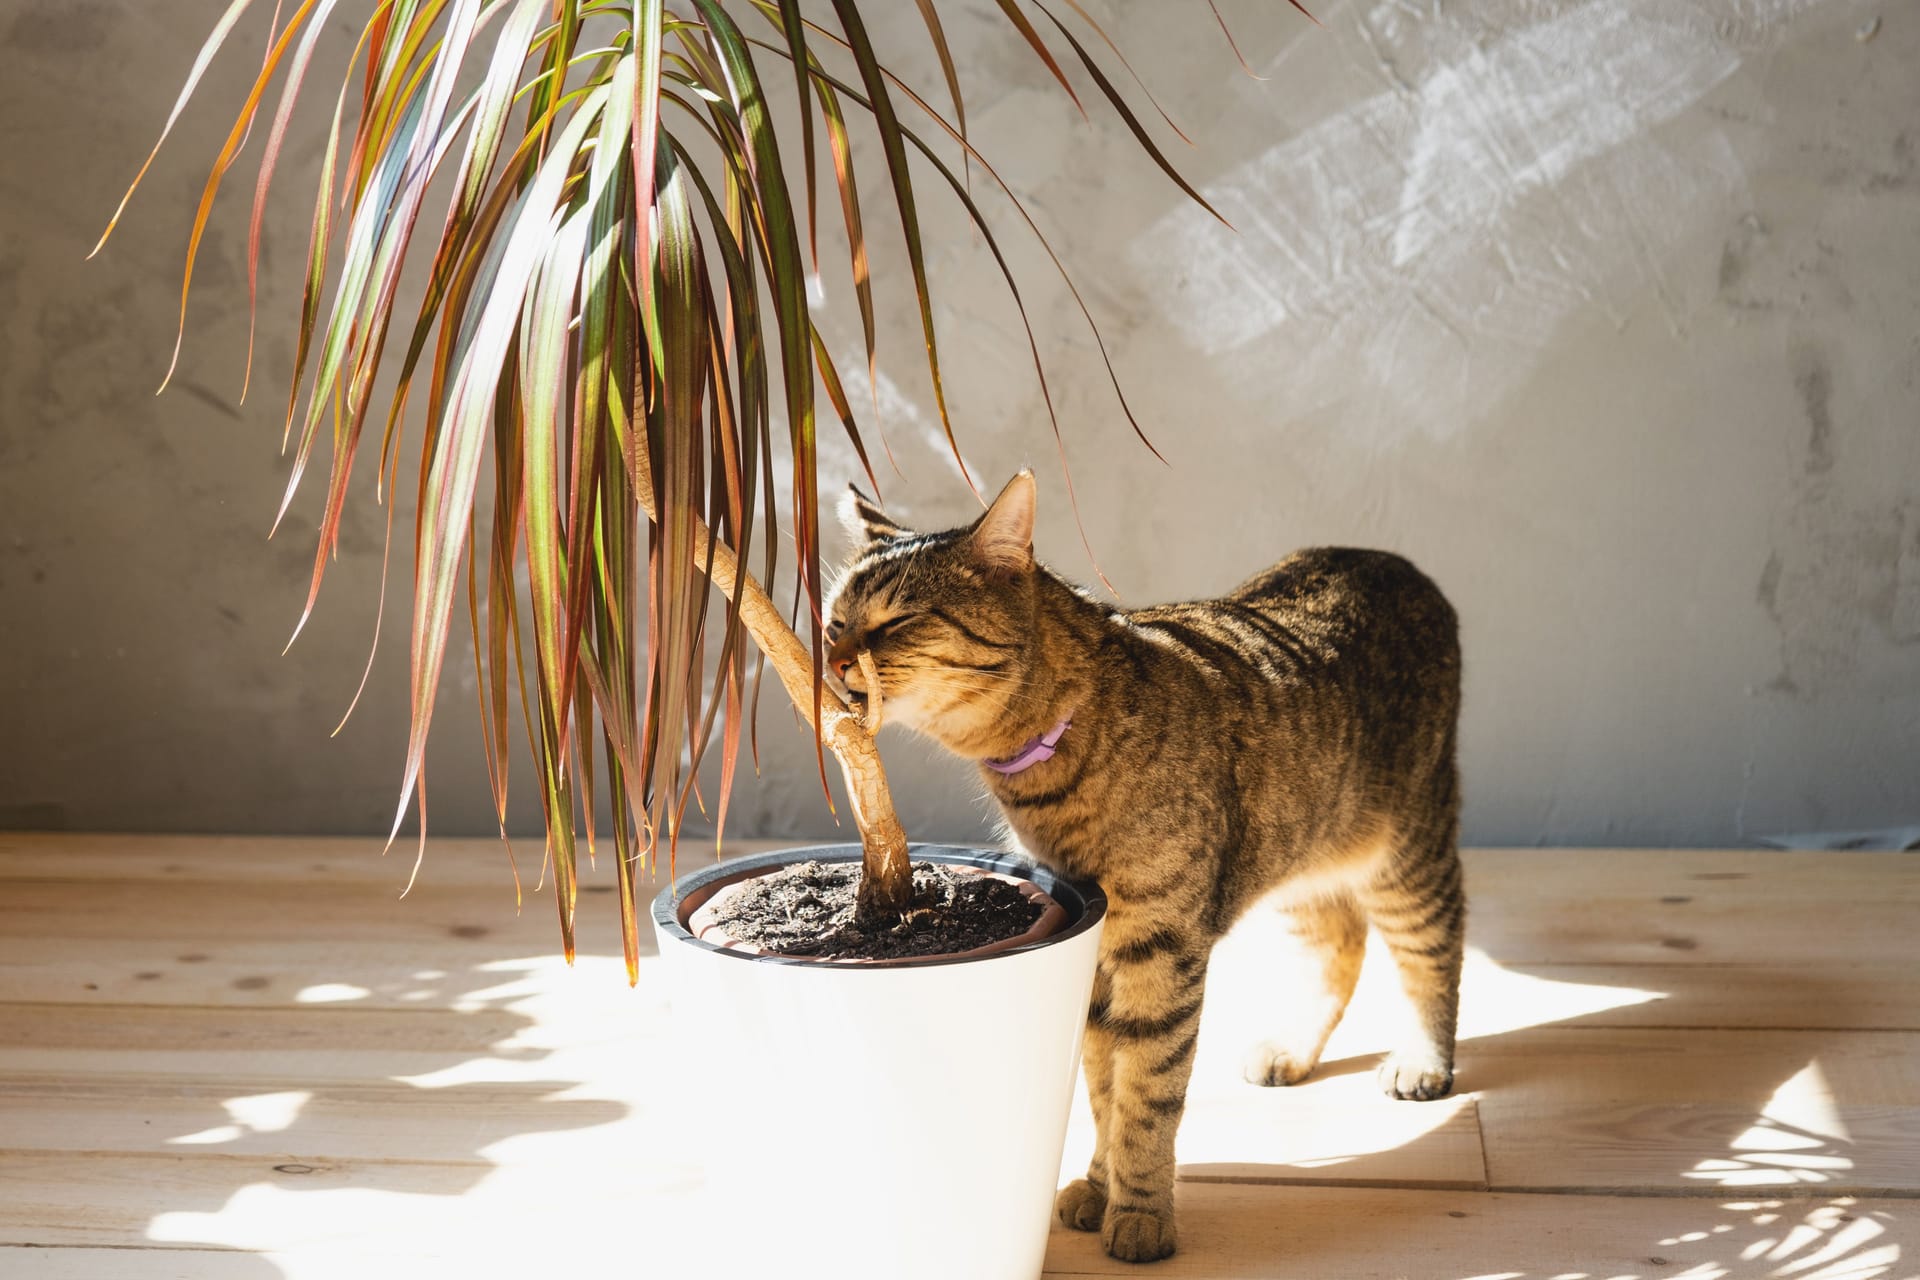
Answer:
[(1291, 741)]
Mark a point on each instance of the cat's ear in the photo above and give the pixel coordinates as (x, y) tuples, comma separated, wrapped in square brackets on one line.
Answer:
[(1003, 538), (864, 521)]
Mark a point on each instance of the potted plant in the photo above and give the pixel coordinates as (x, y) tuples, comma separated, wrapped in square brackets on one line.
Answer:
[(614, 321)]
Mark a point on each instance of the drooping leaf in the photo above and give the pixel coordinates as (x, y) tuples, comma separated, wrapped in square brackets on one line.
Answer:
[(601, 326), (892, 143), (1133, 122), (269, 157), (1019, 20), (931, 16), (218, 37)]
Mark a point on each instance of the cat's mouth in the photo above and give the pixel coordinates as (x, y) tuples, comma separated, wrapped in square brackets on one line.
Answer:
[(854, 698)]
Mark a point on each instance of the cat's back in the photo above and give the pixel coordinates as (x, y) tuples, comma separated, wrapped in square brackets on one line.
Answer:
[(1324, 616), (1343, 592)]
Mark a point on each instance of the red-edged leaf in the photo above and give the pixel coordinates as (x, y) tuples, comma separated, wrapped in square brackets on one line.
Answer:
[(1108, 40), (1140, 134), (200, 63), (931, 16), (1019, 20), (269, 157), (234, 137), (880, 102)]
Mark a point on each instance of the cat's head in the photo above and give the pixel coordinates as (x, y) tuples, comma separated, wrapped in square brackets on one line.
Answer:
[(947, 617)]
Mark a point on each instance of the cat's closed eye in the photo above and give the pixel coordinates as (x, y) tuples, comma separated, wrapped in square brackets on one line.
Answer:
[(888, 627)]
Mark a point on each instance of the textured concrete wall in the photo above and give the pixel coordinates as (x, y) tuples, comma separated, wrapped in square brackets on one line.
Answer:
[(1605, 312)]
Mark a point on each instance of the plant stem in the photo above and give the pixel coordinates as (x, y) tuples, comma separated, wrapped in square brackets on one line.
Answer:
[(886, 882)]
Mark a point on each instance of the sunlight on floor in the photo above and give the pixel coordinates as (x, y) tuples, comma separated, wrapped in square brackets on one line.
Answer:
[(1792, 1142), (556, 1120)]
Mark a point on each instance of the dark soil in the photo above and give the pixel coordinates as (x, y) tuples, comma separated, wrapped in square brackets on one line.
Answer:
[(807, 910)]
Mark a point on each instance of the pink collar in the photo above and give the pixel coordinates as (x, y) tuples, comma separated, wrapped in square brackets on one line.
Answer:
[(1036, 750)]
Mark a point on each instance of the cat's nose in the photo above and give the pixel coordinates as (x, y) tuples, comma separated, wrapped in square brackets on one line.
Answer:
[(839, 666)]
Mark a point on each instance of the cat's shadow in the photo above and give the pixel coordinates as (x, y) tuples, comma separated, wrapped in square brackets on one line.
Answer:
[(1750, 1191)]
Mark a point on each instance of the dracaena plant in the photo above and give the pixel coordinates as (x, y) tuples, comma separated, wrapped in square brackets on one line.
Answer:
[(615, 322)]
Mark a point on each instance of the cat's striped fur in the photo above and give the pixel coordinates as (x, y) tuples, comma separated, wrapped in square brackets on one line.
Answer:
[(1292, 741)]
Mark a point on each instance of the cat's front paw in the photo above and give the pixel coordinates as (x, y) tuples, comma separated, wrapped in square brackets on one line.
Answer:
[(1138, 1235), (1267, 1063), (1419, 1077), (1081, 1205)]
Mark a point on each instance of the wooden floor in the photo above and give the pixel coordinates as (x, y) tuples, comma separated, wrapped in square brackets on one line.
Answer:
[(227, 1059)]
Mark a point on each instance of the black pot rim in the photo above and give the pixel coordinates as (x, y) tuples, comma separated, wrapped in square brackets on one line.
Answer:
[(1085, 902)]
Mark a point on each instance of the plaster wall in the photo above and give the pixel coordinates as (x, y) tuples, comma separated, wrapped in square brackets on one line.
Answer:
[(1606, 312)]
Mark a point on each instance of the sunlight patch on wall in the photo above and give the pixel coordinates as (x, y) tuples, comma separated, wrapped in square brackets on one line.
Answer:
[(1417, 249)]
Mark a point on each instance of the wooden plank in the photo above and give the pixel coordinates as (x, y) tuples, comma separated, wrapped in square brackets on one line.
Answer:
[(583, 1034), (215, 859), (1868, 996), (70, 1201), (363, 950), (1633, 930), (19, 1262), (1239, 1232), (416, 967), (469, 863), (1701, 907), (1762, 876), (313, 1122), (1590, 915), (183, 918), (1494, 874), (410, 970), (1687, 1111), (67, 1200), (542, 1247), (1227, 1232)]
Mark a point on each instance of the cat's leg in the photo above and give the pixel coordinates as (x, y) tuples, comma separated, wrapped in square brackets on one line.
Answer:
[(1419, 905), (1333, 935), (1156, 973), (1082, 1203)]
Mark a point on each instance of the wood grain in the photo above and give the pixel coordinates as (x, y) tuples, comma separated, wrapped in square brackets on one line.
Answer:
[(1236, 1232), (235, 1059)]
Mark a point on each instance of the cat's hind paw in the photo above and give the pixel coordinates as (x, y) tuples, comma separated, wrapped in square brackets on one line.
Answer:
[(1267, 1063), (1138, 1235), (1418, 1077), (1080, 1205)]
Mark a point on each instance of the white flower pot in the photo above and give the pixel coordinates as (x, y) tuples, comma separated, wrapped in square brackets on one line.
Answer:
[(882, 1122)]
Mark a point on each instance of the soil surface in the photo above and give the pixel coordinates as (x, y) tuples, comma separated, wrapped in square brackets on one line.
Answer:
[(807, 910)]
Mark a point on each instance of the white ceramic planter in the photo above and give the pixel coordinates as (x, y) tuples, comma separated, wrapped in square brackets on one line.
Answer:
[(882, 1122)]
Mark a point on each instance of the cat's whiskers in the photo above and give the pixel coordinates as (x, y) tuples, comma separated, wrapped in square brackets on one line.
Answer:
[(975, 673), (964, 685)]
